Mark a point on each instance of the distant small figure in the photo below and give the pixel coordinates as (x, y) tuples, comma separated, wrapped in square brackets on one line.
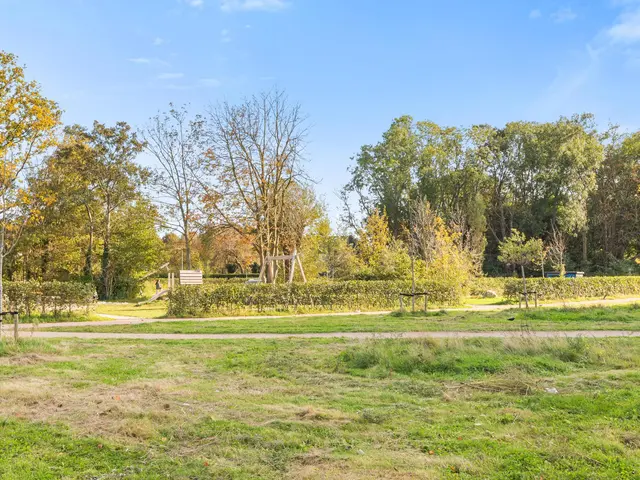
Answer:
[(158, 286)]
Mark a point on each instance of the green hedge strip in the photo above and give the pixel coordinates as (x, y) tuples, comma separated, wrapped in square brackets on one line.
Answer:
[(571, 288), (48, 297), (351, 295)]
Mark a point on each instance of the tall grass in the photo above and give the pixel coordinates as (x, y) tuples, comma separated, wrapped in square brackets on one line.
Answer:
[(9, 347), (481, 356)]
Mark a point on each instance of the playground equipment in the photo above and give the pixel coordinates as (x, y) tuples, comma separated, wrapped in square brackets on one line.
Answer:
[(292, 259), (162, 293), (190, 277)]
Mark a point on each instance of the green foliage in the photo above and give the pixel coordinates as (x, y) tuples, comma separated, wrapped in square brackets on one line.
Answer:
[(327, 254), (570, 288), (382, 256), (49, 297), (352, 295), (517, 250), (136, 248)]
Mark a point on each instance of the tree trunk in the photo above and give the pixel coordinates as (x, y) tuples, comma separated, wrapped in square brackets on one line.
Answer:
[(584, 248), (187, 250), (270, 273), (524, 287), (1, 267), (106, 259), (88, 259), (413, 285)]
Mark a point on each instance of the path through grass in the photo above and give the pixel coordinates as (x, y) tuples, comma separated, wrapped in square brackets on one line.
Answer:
[(625, 317)]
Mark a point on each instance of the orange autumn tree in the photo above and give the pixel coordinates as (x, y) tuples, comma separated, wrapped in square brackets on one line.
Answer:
[(28, 124)]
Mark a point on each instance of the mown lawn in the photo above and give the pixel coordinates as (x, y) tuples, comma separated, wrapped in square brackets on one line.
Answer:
[(625, 317), (155, 309), (478, 408)]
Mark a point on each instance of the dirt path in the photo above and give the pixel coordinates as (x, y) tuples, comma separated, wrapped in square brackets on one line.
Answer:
[(355, 335), (123, 320)]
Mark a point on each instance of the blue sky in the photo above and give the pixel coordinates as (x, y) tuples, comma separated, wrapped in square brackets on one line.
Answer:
[(354, 65)]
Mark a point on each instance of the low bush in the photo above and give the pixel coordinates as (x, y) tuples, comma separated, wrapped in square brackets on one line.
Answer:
[(344, 295), (48, 297), (571, 288), (477, 287)]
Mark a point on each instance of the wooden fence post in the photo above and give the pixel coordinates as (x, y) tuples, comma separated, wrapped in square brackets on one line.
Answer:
[(15, 325)]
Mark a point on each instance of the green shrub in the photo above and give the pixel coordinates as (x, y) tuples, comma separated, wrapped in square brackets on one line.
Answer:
[(345, 295), (570, 288), (49, 297), (476, 287)]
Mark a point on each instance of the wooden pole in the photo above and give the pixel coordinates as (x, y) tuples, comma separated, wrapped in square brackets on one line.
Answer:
[(304, 278), (524, 285), (15, 326), (292, 265)]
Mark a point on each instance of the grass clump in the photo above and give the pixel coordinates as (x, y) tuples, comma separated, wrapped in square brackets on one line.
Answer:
[(477, 357), (9, 347)]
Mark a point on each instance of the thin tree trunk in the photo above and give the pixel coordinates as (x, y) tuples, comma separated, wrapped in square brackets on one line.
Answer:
[(413, 284), (88, 259), (524, 287), (106, 259), (187, 247), (1, 267)]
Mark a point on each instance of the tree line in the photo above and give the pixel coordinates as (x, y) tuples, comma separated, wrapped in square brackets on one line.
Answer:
[(566, 183), (228, 188)]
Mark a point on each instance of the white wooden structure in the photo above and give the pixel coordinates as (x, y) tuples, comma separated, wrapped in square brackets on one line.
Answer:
[(292, 259), (190, 277)]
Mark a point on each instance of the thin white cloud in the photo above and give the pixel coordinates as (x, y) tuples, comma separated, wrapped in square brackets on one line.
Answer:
[(626, 29), (210, 82), (225, 36), (249, 5), (534, 14), (158, 41), (170, 76), (195, 3), (564, 15), (149, 61), (202, 83), (578, 82)]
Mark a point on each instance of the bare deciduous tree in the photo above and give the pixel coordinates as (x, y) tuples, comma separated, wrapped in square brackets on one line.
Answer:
[(556, 250), (177, 142), (256, 155)]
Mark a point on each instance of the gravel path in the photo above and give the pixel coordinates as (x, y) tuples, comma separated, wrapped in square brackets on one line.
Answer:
[(122, 320), (356, 335)]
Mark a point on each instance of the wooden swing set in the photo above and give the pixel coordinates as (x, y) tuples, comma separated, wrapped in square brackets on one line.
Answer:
[(270, 261)]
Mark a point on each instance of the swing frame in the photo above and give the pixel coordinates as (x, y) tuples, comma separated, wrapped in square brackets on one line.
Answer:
[(293, 259)]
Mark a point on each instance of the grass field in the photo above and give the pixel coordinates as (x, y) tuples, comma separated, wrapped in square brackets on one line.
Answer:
[(625, 317), (149, 310), (320, 409)]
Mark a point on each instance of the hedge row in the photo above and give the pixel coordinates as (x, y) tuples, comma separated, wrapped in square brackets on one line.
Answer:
[(48, 297), (346, 295), (568, 288)]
